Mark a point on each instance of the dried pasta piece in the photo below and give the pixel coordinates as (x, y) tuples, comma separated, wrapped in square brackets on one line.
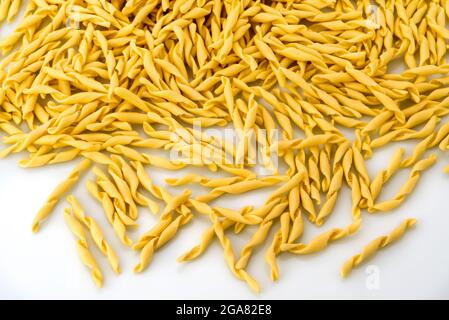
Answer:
[(157, 242), (385, 175), (96, 233), (242, 187), (408, 186), (331, 197), (60, 190), (83, 249), (206, 239), (204, 181), (230, 257), (321, 241), (374, 246), (110, 211), (257, 239)]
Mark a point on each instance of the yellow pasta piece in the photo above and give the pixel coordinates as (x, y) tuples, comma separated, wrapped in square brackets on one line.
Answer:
[(375, 245), (83, 249), (229, 255), (408, 186), (63, 188), (322, 241), (386, 174), (113, 217), (257, 239), (155, 243), (96, 233), (207, 237)]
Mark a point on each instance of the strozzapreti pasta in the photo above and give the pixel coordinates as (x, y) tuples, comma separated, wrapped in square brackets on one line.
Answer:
[(306, 86), (375, 245)]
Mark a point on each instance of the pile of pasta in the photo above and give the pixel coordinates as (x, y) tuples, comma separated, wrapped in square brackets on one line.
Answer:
[(109, 82)]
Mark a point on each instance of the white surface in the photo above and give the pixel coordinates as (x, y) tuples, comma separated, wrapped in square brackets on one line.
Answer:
[(46, 265)]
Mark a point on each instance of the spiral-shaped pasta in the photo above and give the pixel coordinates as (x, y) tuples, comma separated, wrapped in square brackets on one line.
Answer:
[(96, 233), (375, 245), (230, 256), (242, 187), (408, 186), (83, 248), (114, 219), (270, 255), (257, 239), (331, 198), (206, 239), (60, 190), (385, 175), (157, 242), (322, 241)]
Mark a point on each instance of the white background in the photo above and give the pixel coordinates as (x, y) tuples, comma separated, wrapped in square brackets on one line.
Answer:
[(46, 265)]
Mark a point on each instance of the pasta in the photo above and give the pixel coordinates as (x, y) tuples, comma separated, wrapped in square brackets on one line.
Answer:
[(96, 233), (375, 245), (64, 187), (83, 249), (159, 240), (305, 87), (407, 187)]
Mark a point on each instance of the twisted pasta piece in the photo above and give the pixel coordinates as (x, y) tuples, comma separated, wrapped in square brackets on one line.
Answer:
[(321, 242), (293, 182), (385, 175), (83, 249), (156, 191), (204, 181), (173, 203), (359, 166), (108, 207), (163, 223), (257, 239), (408, 186), (132, 179), (208, 235), (157, 242), (230, 257), (272, 252), (9, 9), (112, 191), (248, 219), (331, 198), (60, 190), (242, 187), (335, 183), (312, 141), (96, 233), (374, 246), (125, 192), (206, 239)]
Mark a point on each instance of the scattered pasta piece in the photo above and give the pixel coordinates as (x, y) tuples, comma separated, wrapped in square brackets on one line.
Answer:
[(83, 249), (375, 245), (60, 190), (96, 233)]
